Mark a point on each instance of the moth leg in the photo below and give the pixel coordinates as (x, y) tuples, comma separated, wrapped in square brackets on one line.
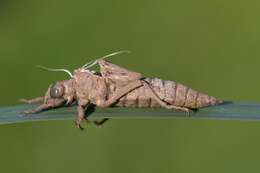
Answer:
[(37, 110), (162, 103), (120, 93), (117, 95), (81, 117), (33, 100), (45, 106)]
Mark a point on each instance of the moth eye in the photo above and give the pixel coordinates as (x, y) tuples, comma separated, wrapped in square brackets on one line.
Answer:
[(57, 91)]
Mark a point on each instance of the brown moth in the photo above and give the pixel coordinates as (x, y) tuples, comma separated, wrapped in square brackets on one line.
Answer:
[(115, 86)]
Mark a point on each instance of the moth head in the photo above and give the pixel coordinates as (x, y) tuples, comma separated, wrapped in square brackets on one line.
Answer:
[(61, 90), (57, 90)]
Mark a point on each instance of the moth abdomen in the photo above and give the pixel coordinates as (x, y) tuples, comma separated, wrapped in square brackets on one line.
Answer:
[(178, 94), (171, 92)]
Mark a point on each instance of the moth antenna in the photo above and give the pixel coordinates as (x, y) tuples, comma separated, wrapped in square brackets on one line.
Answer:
[(52, 69), (94, 62), (87, 64), (91, 64), (115, 53)]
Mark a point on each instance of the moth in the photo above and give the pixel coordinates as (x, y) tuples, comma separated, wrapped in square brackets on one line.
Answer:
[(115, 86)]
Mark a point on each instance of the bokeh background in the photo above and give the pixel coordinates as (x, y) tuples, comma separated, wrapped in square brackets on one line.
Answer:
[(212, 46)]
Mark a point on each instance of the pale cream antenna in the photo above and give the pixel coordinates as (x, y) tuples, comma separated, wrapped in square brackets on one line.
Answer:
[(53, 69), (94, 62)]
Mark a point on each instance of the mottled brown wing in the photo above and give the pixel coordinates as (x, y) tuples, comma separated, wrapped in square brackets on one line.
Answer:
[(116, 73)]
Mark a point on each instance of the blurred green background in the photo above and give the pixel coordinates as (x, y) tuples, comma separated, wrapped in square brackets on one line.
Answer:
[(212, 46)]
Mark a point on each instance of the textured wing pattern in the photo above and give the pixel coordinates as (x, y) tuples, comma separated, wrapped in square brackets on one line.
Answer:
[(117, 74)]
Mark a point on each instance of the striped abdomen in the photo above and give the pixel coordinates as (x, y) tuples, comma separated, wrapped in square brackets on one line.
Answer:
[(170, 92)]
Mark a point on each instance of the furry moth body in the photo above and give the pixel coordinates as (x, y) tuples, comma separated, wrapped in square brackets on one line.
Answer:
[(116, 86)]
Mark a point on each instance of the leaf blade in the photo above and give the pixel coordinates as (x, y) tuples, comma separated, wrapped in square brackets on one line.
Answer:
[(231, 111)]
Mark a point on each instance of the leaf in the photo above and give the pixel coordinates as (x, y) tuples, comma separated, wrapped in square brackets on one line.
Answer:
[(230, 110)]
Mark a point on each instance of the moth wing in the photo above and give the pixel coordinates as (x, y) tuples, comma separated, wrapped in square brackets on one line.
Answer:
[(116, 73)]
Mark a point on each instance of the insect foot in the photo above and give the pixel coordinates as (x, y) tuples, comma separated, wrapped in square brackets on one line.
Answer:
[(25, 101), (78, 125), (27, 113), (187, 111), (81, 117), (179, 108), (31, 101)]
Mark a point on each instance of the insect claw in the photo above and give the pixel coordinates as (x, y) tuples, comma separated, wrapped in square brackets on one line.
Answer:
[(24, 101), (69, 101), (77, 124), (81, 128), (189, 112), (27, 113)]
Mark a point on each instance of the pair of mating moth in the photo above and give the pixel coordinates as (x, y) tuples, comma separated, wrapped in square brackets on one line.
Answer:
[(115, 86)]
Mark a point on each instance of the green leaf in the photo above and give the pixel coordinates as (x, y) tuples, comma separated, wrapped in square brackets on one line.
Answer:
[(231, 110)]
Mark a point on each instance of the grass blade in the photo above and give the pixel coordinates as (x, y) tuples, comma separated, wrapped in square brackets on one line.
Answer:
[(232, 110)]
